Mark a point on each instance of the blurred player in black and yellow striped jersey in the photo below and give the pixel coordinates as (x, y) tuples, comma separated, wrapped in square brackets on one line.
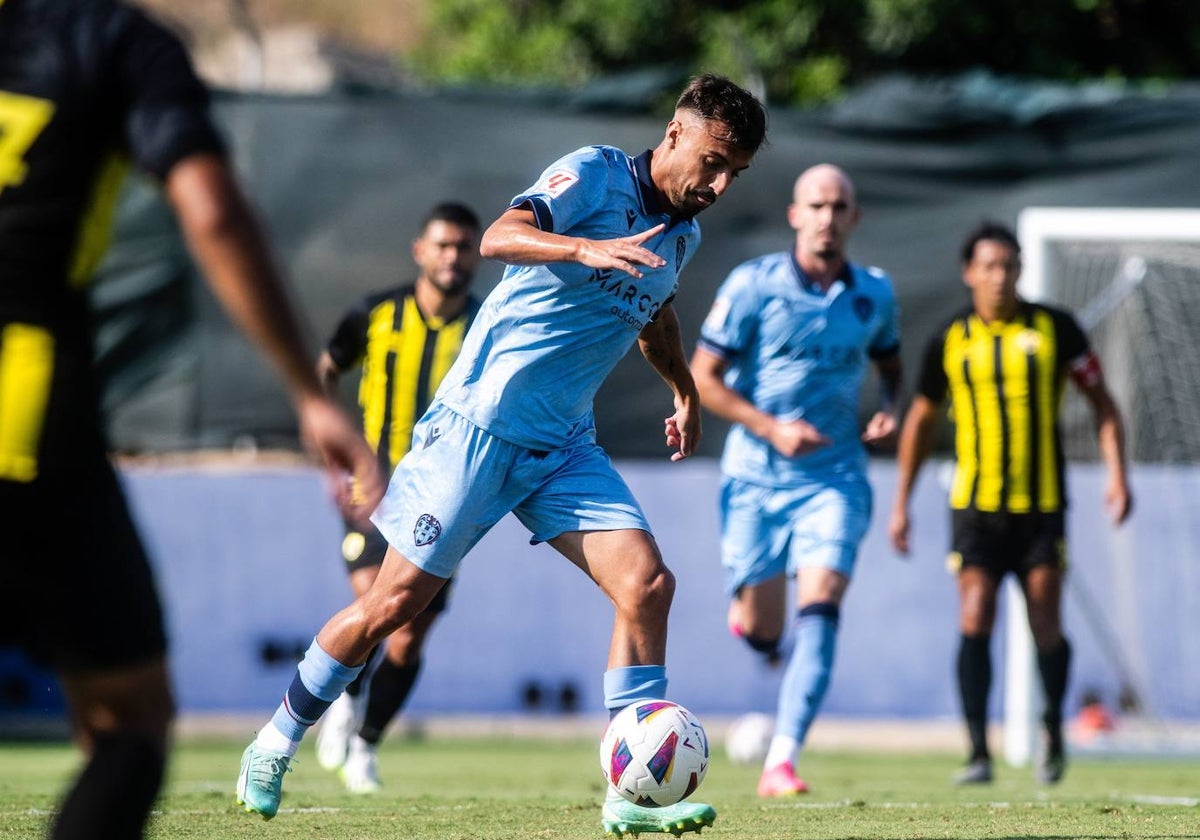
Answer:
[(1003, 364), (86, 88), (403, 339)]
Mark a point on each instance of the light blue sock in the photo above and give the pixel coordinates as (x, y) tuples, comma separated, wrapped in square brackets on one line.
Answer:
[(624, 685), (807, 676), (320, 679)]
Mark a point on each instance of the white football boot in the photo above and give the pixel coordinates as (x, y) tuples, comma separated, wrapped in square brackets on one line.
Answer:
[(340, 721), (360, 772)]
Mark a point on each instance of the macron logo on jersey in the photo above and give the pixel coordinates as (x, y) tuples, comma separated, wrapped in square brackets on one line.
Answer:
[(558, 181)]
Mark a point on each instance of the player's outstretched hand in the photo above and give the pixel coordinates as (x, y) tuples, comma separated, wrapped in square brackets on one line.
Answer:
[(1119, 501), (898, 524), (623, 254), (881, 430), (796, 437), (682, 430), (355, 480)]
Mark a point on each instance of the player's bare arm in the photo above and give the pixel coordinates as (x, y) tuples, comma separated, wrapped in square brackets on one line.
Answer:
[(515, 238), (916, 442), (662, 344), (225, 238), (882, 428), (328, 373), (789, 437), (1110, 436)]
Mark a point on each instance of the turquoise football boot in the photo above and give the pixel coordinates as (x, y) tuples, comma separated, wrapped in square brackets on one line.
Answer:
[(260, 783), (620, 817)]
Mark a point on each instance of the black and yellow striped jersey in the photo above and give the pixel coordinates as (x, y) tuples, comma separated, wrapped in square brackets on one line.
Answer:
[(1005, 381), (86, 86), (404, 357)]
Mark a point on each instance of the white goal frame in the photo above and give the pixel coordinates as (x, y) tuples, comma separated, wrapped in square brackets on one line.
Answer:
[(1037, 227)]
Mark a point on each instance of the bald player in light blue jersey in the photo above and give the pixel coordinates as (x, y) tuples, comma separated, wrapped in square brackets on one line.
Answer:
[(782, 355), (595, 248)]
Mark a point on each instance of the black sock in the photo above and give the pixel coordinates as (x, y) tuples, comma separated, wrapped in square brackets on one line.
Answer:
[(1054, 666), (388, 690), (356, 685), (113, 795), (974, 683)]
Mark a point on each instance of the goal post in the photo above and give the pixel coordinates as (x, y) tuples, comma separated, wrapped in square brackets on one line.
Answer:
[(1039, 228), (1131, 276)]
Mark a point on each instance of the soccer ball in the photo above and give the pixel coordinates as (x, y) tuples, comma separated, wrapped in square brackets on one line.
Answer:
[(654, 753), (748, 738)]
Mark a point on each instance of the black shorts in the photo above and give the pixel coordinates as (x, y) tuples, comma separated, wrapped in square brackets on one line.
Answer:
[(364, 549), (76, 589), (1007, 542)]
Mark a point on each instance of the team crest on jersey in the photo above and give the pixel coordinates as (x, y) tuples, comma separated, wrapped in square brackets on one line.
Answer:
[(353, 546), (1029, 341), (680, 250), (864, 308), (427, 529), (558, 181), (954, 562)]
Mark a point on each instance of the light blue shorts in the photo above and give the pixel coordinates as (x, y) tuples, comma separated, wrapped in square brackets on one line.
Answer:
[(458, 481), (769, 531)]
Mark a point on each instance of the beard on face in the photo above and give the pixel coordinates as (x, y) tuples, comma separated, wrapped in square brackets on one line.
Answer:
[(689, 204), (452, 282)]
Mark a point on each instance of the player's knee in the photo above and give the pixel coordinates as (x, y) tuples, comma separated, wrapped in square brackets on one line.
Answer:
[(976, 616), (136, 703), (659, 591), (386, 613), (652, 590)]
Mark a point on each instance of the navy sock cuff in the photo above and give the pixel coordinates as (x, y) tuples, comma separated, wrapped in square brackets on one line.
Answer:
[(823, 609), (762, 644), (305, 707)]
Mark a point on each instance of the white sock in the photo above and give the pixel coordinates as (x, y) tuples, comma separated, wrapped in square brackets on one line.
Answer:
[(270, 738), (783, 750)]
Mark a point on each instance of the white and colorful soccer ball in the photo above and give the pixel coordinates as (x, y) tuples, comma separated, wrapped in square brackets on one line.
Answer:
[(654, 753), (748, 737)]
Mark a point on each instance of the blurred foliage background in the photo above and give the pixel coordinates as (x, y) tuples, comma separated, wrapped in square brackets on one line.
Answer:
[(793, 52)]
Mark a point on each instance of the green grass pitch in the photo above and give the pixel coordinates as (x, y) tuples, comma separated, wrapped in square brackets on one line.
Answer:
[(493, 788)]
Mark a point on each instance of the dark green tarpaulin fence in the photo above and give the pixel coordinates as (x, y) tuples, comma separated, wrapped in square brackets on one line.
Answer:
[(342, 183)]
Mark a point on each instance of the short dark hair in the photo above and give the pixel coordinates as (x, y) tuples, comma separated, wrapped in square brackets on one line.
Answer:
[(992, 232), (454, 213), (716, 98)]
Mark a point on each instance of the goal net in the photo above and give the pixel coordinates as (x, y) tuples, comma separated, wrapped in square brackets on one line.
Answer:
[(1132, 279)]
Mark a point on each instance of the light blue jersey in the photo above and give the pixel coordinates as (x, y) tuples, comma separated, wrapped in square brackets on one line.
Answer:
[(798, 353), (548, 335)]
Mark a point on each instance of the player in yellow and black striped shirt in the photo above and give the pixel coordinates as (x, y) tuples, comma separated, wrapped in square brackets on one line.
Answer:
[(403, 339), (1003, 364), (88, 88)]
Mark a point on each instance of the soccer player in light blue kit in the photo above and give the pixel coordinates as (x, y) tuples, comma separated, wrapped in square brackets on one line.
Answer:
[(782, 354), (594, 248)]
